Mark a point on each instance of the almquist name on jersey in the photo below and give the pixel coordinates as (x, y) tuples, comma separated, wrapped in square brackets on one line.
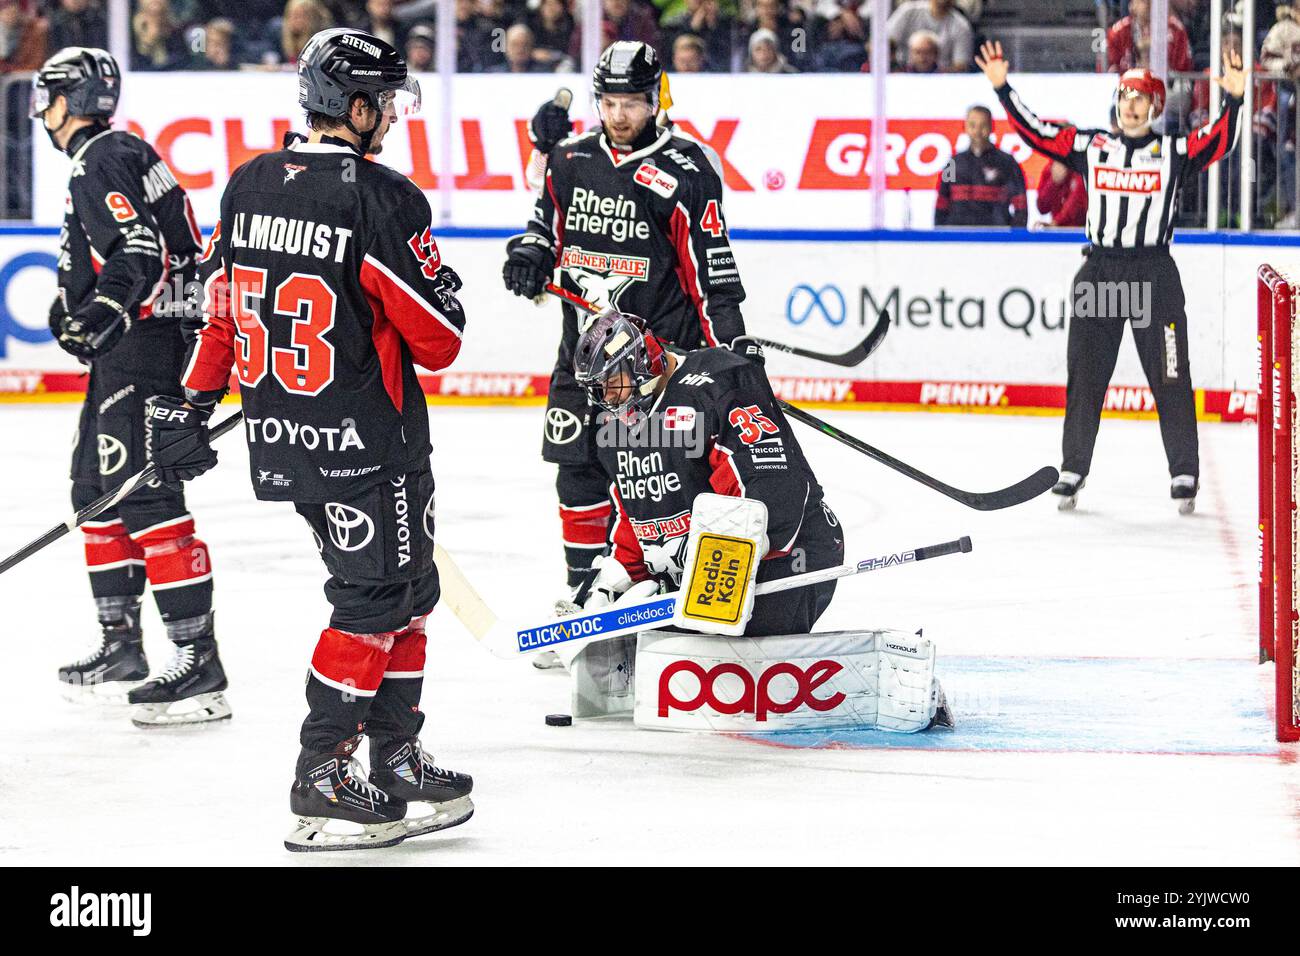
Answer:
[(291, 236), (599, 215)]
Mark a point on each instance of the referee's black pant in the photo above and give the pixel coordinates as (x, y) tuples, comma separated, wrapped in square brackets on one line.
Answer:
[(1145, 286)]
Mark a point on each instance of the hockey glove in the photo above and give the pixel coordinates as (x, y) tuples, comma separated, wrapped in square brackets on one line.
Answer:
[(747, 347), (95, 329), (549, 125), (530, 262), (176, 439)]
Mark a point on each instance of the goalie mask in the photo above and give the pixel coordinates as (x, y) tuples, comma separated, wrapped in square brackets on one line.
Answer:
[(619, 362)]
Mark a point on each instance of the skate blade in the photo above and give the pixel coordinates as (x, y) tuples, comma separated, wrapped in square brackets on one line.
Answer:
[(1187, 506), (200, 709), (1067, 503), (312, 835), (111, 693), (449, 813)]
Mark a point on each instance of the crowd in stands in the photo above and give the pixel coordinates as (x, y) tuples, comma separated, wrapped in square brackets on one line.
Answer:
[(534, 36)]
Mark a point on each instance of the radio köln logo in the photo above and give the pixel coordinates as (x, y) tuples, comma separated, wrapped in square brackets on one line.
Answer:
[(112, 455), (349, 529), (562, 426)]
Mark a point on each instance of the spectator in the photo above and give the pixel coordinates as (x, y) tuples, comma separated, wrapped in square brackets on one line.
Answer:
[(689, 54), (552, 26), (956, 38), (156, 40), (709, 22), (623, 20), (1194, 15), (473, 39), (841, 37), (922, 52), (379, 20), (77, 23), (1281, 50), (421, 43), (22, 38), (1128, 42), (982, 186), (218, 52), (789, 25), (1062, 195), (302, 19), (764, 56), (519, 53)]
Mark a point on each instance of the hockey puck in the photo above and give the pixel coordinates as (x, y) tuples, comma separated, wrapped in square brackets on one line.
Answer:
[(558, 720)]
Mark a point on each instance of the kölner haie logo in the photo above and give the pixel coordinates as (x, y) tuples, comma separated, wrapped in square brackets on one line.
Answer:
[(77, 909)]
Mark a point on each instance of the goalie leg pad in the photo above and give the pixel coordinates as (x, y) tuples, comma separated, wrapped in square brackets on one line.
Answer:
[(879, 679)]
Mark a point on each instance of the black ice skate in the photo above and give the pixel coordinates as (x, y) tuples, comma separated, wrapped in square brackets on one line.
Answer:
[(1068, 488), (117, 666), (1183, 490), (338, 809), (405, 771), (188, 692)]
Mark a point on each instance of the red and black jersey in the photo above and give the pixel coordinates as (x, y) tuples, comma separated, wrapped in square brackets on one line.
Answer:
[(717, 428), (642, 230), (1132, 181), (983, 190), (128, 228), (323, 287)]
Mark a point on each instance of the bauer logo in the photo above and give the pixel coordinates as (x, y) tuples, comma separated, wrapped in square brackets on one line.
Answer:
[(611, 622), (76, 909)]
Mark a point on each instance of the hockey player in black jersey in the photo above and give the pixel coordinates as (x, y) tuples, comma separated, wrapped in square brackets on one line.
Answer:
[(676, 424), (323, 288), (630, 213), (128, 235)]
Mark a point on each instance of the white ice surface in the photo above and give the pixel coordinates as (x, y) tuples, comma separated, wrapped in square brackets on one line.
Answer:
[(1109, 710)]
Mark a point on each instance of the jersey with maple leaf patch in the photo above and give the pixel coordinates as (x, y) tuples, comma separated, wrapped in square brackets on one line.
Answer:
[(717, 428), (323, 288)]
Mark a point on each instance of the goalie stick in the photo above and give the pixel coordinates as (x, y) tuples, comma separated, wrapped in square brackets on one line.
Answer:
[(647, 615), (854, 356), (102, 504), (1024, 490)]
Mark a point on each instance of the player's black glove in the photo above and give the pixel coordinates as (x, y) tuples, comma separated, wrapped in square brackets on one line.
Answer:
[(94, 329), (549, 125), (176, 439), (530, 262), (749, 348)]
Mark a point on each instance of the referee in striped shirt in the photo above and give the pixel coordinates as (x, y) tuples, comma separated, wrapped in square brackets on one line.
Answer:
[(1128, 277)]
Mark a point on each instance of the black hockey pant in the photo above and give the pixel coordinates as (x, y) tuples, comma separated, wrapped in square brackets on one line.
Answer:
[(1141, 289)]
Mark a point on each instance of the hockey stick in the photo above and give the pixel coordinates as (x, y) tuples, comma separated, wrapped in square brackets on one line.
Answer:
[(854, 356), (647, 615), (102, 504), (1022, 491)]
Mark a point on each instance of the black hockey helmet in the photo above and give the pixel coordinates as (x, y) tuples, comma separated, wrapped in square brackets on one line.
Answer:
[(614, 342), (628, 66), (88, 77), (340, 63)]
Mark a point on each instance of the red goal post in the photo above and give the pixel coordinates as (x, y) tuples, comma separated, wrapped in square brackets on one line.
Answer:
[(1279, 627)]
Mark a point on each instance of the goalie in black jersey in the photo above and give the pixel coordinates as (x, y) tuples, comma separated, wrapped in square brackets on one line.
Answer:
[(323, 288), (630, 214), (676, 424), (128, 235)]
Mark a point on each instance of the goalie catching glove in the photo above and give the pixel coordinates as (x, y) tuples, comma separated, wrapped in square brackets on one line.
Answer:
[(530, 262), (176, 439)]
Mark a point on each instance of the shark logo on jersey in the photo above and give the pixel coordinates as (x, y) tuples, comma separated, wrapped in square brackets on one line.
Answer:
[(291, 170), (603, 276)]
